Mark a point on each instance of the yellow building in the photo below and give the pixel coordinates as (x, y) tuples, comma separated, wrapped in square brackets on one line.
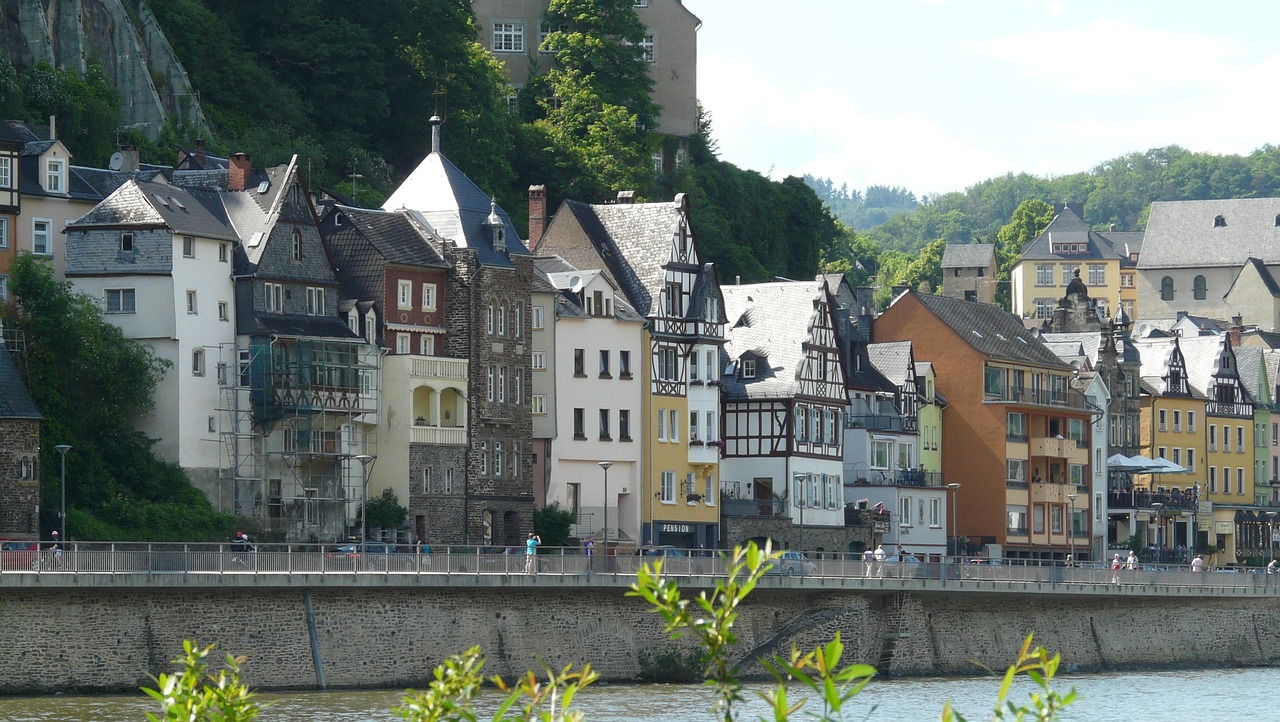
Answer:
[(1106, 262), (931, 405)]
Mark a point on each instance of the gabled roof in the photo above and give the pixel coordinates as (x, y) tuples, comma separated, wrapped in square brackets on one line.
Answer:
[(552, 273), (393, 236), (893, 360), (1156, 354), (968, 255), (1189, 234), (989, 329), (1067, 227), (772, 322), (455, 207), (15, 401), (1203, 355), (1257, 266), (140, 204)]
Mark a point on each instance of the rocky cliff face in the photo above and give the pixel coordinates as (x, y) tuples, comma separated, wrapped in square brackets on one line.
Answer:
[(131, 47)]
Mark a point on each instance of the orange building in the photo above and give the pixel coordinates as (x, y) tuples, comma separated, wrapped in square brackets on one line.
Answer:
[(10, 204), (1017, 434)]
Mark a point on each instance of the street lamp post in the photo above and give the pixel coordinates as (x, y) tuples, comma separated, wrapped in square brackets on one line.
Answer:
[(955, 515), (1071, 527), (364, 460), (62, 515), (1271, 534), (1159, 522), (605, 465)]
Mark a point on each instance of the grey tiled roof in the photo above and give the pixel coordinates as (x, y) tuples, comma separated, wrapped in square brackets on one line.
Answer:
[(968, 255), (892, 359), (366, 240), (1183, 234), (632, 241), (15, 401), (771, 321), (1156, 354), (1067, 227), (456, 208), (1249, 366), (989, 329), (136, 203), (1202, 354), (1253, 264)]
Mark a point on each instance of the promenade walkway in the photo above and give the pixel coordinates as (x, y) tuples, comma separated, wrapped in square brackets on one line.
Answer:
[(211, 565)]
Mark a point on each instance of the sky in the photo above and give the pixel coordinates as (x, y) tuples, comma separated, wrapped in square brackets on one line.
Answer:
[(936, 95)]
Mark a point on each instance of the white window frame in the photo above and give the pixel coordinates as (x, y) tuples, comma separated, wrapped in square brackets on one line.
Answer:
[(427, 345), (404, 343), (315, 300), (935, 513), (188, 247), (55, 175), (673, 425), (538, 360), (508, 36), (428, 297), (4, 288), (193, 306), (539, 405), (197, 362), (4, 233), (404, 294), (122, 294), (42, 240), (649, 48), (502, 319), (537, 320), (224, 311), (6, 172), (222, 253), (668, 487), (502, 384)]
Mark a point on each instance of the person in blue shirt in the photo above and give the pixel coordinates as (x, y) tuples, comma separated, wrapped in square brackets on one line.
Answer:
[(531, 552)]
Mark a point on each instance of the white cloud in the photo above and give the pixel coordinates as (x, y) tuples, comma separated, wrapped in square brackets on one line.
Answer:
[(1109, 56), (793, 131)]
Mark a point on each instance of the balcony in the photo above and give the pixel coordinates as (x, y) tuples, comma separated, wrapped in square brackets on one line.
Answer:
[(437, 367), (760, 508), (1145, 498), (883, 422), (898, 477), (446, 435), (701, 452), (1059, 399)]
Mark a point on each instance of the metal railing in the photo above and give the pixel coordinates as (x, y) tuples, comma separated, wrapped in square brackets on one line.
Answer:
[(898, 477), (167, 561)]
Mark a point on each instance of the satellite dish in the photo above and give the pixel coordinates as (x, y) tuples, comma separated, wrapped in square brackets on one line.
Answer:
[(117, 161), (575, 283), (1144, 328)]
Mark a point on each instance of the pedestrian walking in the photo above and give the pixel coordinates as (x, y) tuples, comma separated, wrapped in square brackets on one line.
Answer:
[(531, 553), (1115, 569), (880, 555), (868, 562), (1197, 564), (1132, 562), (1271, 568)]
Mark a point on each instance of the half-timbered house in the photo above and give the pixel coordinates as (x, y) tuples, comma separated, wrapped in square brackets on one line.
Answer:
[(648, 251), (784, 398)]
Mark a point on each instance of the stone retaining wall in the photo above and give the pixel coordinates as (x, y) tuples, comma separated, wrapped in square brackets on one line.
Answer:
[(108, 639)]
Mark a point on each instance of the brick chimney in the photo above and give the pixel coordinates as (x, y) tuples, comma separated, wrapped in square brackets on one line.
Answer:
[(1237, 327), (238, 169), (131, 161), (200, 155), (537, 214), (626, 197)]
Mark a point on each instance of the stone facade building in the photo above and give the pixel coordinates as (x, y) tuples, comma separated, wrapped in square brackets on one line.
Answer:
[(19, 453)]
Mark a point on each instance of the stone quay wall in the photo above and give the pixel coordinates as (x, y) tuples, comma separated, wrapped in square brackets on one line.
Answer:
[(115, 637)]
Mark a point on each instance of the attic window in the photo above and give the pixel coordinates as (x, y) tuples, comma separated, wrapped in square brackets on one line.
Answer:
[(748, 368), (255, 239), (1219, 222), (126, 242), (263, 186), (177, 203), (161, 199), (975, 333)]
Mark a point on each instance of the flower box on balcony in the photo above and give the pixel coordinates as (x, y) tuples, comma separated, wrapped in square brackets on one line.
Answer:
[(715, 382)]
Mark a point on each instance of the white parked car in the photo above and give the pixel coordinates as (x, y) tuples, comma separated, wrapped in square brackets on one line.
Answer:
[(792, 564)]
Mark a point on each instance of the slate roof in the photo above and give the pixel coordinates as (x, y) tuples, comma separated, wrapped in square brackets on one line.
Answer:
[(1269, 339), (15, 401), (968, 255), (771, 321), (295, 325), (1067, 227), (1249, 367), (989, 329), (552, 274), (394, 236), (138, 204), (1182, 234), (1268, 280), (1202, 354), (455, 207), (1155, 354), (892, 359)]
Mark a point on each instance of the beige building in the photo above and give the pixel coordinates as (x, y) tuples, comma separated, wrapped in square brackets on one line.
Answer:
[(969, 272), (1106, 262), (513, 31)]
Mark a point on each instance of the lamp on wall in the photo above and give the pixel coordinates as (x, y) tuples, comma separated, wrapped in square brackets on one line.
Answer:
[(605, 465)]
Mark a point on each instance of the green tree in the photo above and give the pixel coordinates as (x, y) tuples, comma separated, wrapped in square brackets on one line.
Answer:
[(93, 385), (1029, 220), (552, 524), (385, 511), (599, 43)]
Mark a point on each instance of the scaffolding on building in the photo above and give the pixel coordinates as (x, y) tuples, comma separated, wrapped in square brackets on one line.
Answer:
[(298, 428)]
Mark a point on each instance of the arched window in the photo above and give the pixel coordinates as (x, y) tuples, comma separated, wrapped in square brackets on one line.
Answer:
[(1200, 288), (1166, 289), (1219, 222)]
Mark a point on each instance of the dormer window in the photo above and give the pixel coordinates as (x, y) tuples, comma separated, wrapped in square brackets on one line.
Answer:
[(748, 368), (6, 173), (1219, 222), (55, 175), (297, 245), (496, 227), (126, 242), (713, 310)]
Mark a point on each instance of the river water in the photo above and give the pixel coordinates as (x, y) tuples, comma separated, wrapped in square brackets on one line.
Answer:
[(1131, 697)]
